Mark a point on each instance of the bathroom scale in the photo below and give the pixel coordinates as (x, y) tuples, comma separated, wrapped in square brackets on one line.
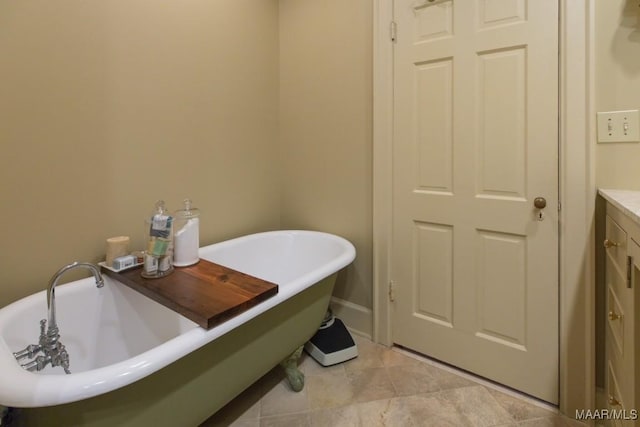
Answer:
[(332, 344)]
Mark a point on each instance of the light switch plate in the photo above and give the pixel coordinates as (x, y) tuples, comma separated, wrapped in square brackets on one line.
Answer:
[(619, 126)]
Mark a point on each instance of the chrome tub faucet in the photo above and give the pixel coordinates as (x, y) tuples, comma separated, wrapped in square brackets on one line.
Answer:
[(53, 351)]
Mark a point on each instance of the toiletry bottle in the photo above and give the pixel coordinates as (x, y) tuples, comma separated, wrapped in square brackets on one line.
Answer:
[(158, 259), (187, 236)]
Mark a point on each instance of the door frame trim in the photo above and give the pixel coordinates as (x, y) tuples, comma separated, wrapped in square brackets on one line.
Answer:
[(576, 188)]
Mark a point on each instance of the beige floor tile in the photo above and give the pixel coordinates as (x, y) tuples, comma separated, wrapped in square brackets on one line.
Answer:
[(393, 357), (328, 391), (281, 399), (386, 412), (477, 404), (291, 420), (362, 340), (369, 355), (519, 409), (553, 421), (433, 409), (413, 379), (346, 416), (446, 380), (370, 384), (382, 387)]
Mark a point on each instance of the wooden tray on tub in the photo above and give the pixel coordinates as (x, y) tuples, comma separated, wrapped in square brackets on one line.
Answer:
[(206, 293)]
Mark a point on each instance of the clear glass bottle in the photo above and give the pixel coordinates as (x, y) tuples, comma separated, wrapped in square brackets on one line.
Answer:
[(158, 257), (187, 235)]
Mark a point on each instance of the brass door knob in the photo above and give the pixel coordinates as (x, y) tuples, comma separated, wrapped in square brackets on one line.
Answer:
[(609, 243), (540, 202), (613, 401)]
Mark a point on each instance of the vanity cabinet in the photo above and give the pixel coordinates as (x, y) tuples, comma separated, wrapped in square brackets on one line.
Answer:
[(622, 279)]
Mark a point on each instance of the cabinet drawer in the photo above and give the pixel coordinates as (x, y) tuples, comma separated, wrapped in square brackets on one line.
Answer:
[(615, 320), (614, 397), (616, 245)]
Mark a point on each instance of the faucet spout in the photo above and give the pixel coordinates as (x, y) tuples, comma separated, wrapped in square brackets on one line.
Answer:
[(53, 351), (51, 288)]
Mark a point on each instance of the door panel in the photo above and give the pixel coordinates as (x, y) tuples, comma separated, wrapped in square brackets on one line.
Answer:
[(434, 262), (501, 121), (475, 141), (501, 277), (435, 123)]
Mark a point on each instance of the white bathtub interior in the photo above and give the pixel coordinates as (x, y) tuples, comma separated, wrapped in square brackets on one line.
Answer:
[(271, 259), (115, 322)]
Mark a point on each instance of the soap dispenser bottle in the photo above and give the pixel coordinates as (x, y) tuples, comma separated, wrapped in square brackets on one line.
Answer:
[(187, 236), (158, 258)]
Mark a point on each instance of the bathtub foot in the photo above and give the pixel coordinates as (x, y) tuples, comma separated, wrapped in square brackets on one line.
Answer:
[(294, 375)]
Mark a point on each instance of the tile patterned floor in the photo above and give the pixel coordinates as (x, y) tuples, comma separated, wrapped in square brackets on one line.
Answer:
[(382, 387)]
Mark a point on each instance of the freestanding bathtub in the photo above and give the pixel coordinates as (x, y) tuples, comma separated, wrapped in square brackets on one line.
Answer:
[(136, 363)]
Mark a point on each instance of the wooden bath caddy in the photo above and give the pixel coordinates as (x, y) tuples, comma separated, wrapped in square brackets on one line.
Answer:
[(205, 293)]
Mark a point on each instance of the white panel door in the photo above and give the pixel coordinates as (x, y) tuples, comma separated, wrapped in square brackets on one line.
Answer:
[(475, 142)]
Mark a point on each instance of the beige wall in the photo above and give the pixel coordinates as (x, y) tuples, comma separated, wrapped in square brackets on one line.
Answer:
[(107, 106), (326, 127), (617, 54), (260, 111)]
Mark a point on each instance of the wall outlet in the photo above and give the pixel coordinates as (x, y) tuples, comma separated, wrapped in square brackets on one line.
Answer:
[(619, 126)]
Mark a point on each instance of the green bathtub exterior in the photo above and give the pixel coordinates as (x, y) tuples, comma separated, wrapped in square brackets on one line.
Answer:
[(190, 390)]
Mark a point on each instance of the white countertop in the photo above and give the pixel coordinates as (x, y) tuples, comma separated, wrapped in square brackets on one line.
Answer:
[(628, 201)]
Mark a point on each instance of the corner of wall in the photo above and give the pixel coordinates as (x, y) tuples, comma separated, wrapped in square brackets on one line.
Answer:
[(357, 318)]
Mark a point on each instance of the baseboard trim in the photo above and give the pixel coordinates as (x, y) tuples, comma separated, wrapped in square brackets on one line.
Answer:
[(357, 318)]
